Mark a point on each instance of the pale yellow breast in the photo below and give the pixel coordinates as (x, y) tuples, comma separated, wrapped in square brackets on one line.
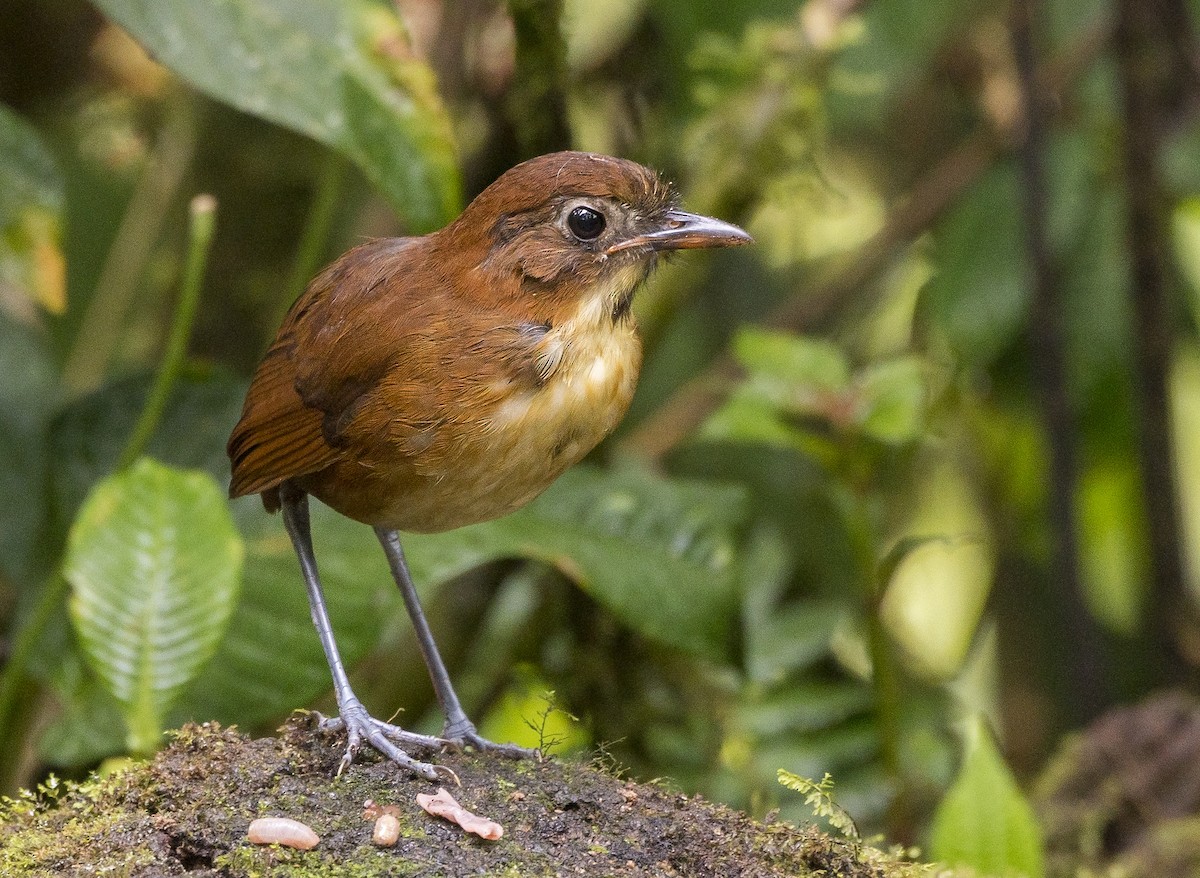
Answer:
[(594, 368), (593, 364), (527, 438)]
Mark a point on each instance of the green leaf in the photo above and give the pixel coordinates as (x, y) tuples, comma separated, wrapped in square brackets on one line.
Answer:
[(794, 637), (660, 555), (153, 561), (31, 198), (788, 361), (806, 707), (1114, 551), (978, 297), (934, 601), (781, 636), (850, 744), (819, 797), (341, 73), (893, 400), (746, 417), (984, 821)]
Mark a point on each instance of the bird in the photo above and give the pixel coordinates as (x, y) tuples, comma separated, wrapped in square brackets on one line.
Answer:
[(426, 383)]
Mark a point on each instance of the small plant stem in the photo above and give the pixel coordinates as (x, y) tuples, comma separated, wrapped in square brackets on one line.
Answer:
[(887, 692), (202, 212)]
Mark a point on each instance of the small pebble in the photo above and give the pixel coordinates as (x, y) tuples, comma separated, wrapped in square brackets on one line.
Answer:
[(386, 832), (282, 830)]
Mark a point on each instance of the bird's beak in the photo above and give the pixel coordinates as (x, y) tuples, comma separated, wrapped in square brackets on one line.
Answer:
[(681, 230)]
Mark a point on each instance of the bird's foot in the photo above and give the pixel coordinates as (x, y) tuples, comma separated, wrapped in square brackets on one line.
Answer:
[(463, 734), (362, 728)]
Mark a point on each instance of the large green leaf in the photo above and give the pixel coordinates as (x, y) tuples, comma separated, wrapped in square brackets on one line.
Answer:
[(660, 555), (893, 397), (985, 822), (934, 600), (341, 73), (153, 560), (782, 365)]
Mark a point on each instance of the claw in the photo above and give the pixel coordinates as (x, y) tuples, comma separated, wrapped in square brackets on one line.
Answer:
[(448, 774)]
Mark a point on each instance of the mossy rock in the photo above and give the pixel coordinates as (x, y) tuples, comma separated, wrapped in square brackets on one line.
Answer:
[(187, 812)]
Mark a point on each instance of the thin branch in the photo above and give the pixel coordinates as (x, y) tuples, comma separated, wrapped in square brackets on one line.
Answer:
[(1087, 663), (202, 213)]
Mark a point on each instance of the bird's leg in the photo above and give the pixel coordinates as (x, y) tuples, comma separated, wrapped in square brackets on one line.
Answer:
[(359, 724), (458, 727)]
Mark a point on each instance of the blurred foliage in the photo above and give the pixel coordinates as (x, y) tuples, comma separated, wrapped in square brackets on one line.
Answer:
[(850, 553)]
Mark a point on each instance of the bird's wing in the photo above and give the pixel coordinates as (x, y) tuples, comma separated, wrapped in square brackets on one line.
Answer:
[(365, 364), (314, 372)]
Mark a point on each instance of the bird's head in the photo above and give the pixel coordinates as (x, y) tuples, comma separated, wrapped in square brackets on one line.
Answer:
[(570, 225)]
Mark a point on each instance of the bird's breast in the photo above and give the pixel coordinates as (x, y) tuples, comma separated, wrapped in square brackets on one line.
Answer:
[(521, 436), (590, 372)]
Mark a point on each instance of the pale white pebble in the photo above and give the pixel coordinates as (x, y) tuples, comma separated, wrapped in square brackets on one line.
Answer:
[(386, 832), (282, 830)]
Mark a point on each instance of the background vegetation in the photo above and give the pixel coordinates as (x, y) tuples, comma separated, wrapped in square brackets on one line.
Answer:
[(913, 475)]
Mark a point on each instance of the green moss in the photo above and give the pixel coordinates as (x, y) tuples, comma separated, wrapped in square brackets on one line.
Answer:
[(189, 809), (272, 861), (45, 843)]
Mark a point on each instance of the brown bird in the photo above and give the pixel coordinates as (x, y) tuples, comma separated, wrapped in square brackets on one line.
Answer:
[(423, 384)]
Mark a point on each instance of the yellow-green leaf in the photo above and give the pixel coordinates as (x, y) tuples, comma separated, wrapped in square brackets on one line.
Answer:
[(985, 822)]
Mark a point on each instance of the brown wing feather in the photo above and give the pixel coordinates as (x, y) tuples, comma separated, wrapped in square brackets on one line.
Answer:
[(302, 390), (383, 364), (278, 436)]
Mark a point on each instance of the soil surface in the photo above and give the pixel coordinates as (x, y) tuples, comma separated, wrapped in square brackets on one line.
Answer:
[(187, 812)]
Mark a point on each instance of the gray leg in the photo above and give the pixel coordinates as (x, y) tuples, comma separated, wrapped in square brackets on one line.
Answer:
[(359, 724), (458, 727)]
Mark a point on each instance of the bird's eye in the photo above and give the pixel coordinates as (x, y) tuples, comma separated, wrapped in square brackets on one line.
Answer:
[(585, 224)]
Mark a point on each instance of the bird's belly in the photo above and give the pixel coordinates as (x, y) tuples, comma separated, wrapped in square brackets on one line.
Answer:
[(502, 457)]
